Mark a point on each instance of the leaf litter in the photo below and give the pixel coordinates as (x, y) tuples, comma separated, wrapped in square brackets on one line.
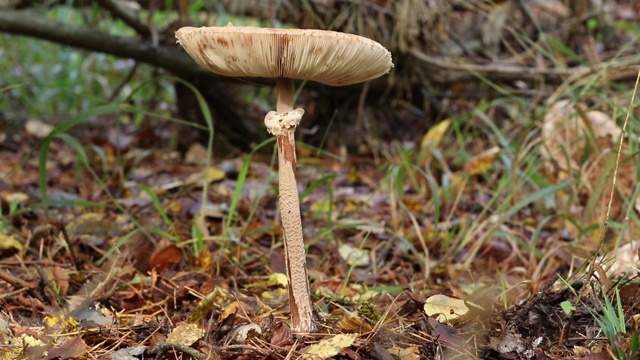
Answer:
[(128, 261)]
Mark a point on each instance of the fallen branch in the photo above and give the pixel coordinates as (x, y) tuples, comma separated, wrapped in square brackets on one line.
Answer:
[(448, 71), (28, 23)]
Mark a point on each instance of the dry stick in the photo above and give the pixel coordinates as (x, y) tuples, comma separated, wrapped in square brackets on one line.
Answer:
[(296, 262), (16, 281)]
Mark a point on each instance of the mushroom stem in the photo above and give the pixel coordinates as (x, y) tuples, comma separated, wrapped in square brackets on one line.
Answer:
[(295, 257)]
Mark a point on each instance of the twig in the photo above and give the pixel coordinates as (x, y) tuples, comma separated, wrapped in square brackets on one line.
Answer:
[(15, 281), (127, 16)]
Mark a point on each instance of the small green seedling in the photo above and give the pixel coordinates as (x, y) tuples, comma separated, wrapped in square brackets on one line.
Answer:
[(567, 307)]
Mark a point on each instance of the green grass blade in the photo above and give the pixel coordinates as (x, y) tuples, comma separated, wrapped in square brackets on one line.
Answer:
[(242, 177), (535, 197), (59, 129), (157, 204)]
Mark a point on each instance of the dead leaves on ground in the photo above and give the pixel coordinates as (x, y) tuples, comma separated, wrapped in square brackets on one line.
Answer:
[(156, 288)]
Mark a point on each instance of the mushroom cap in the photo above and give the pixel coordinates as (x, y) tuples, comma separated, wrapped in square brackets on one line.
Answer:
[(327, 57)]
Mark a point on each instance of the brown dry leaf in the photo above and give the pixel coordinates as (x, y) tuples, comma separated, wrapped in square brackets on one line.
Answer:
[(409, 353), (329, 347), (185, 334), (447, 310), (281, 335), (69, 349), (94, 228), (481, 162), (353, 324), (165, 258), (61, 279), (197, 154)]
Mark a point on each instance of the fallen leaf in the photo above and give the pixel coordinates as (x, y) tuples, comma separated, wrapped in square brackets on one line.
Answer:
[(353, 256), (60, 323), (274, 279), (93, 228), (623, 260), (185, 334), (207, 175), (217, 296), (197, 154), (329, 347), (447, 310), (433, 137), (353, 324), (481, 162), (369, 312), (14, 197), (165, 258), (8, 242), (69, 349), (133, 353), (38, 128), (240, 334), (281, 335), (408, 353)]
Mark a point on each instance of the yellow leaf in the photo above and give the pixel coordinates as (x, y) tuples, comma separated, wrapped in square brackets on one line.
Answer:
[(274, 298), (230, 309), (481, 162), (274, 279), (185, 334), (353, 256), (433, 137), (9, 242), (446, 309), (217, 296), (209, 175), (60, 323), (329, 347)]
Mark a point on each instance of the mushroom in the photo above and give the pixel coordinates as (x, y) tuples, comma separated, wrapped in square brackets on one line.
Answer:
[(328, 57)]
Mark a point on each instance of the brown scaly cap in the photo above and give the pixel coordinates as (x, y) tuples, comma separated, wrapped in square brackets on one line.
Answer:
[(327, 57)]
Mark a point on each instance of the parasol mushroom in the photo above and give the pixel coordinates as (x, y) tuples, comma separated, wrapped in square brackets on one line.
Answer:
[(328, 57)]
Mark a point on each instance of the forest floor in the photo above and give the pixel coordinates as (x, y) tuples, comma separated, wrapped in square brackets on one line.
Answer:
[(124, 259), (507, 231)]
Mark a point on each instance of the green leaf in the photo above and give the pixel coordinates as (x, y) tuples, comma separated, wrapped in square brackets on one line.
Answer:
[(567, 307)]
